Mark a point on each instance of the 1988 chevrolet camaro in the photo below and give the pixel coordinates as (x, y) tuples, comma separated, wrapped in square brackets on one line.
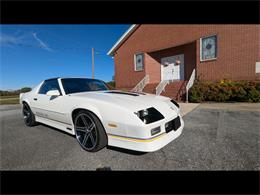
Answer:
[(98, 116)]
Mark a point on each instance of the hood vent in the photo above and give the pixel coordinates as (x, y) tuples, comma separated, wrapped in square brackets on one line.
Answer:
[(123, 93)]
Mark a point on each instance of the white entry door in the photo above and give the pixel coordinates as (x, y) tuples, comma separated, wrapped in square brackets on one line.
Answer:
[(172, 68)]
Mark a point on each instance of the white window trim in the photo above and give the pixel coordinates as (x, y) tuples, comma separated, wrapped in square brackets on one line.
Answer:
[(257, 67), (201, 48), (135, 61)]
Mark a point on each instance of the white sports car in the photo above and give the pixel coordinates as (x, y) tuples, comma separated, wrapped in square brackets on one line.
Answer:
[(99, 116)]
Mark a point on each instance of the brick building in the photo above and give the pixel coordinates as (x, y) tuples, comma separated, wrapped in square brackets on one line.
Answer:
[(161, 58)]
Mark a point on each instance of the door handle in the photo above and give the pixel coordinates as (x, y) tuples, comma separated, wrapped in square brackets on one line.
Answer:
[(35, 99)]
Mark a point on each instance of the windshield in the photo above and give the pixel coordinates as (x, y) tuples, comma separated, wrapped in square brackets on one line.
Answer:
[(77, 85)]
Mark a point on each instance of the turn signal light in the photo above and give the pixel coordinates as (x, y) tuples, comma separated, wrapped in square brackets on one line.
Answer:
[(155, 130)]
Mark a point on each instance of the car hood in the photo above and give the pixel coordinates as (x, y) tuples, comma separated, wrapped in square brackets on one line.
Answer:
[(131, 100)]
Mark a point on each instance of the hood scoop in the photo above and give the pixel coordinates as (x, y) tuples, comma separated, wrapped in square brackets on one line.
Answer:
[(123, 93)]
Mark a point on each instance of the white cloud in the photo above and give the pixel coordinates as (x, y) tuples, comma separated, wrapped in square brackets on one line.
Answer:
[(18, 37), (9, 39), (21, 38), (42, 44)]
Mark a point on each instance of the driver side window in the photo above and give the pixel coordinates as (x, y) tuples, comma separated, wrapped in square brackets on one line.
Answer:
[(49, 85)]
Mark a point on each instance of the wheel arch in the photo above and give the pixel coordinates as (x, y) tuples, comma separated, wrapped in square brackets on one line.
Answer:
[(77, 110), (25, 101)]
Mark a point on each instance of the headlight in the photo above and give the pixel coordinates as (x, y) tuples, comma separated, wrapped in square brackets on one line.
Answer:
[(175, 103), (142, 113), (149, 115)]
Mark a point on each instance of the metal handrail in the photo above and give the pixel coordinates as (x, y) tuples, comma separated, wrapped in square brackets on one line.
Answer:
[(140, 86), (180, 92), (161, 86), (190, 84)]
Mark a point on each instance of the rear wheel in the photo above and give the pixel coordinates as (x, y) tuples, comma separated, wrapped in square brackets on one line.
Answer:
[(89, 131), (28, 116)]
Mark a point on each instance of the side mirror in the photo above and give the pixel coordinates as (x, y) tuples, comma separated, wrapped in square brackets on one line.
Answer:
[(53, 93)]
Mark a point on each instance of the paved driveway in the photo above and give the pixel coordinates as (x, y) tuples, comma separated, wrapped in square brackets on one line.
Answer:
[(216, 136)]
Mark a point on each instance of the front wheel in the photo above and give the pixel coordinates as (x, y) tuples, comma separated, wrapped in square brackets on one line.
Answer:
[(89, 131), (28, 116)]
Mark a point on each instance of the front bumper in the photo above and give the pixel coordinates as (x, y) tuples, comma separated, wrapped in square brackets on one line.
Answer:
[(146, 145)]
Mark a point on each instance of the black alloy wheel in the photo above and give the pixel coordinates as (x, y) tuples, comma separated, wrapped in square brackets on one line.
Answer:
[(28, 116), (89, 131)]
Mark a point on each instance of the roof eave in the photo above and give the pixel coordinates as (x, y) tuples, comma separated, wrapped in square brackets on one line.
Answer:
[(122, 39)]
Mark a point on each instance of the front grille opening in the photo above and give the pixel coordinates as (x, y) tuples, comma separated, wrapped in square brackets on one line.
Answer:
[(175, 103), (173, 125)]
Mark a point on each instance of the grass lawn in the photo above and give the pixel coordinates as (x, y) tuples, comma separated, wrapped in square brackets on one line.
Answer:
[(9, 99), (9, 96)]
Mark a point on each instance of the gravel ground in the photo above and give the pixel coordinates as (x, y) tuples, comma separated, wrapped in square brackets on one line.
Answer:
[(215, 137)]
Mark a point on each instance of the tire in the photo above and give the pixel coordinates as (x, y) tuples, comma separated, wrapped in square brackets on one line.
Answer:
[(29, 118), (89, 131)]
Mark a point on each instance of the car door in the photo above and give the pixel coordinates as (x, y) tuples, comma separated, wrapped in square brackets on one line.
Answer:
[(50, 107)]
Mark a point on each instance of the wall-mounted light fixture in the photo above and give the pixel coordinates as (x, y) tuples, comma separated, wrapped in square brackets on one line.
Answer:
[(166, 64), (177, 62)]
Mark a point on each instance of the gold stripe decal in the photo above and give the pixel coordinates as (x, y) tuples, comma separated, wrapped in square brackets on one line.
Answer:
[(135, 139)]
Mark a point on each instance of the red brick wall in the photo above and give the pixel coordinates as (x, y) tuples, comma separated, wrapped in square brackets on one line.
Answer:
[(238, 51), (152, 67)]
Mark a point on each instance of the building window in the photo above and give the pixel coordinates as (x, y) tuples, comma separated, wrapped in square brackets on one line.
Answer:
[(257, 67), (208, 48), (139, 61)]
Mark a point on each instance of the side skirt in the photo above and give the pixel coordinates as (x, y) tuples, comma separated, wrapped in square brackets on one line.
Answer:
[(59, 125)]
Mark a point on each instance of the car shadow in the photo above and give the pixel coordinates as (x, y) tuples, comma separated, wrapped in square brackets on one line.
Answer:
[(104, 169), (123, 150), (126, 151), (53, 128)]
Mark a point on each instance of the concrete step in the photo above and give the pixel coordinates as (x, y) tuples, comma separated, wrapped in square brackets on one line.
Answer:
[(150, 88), (172, 90)]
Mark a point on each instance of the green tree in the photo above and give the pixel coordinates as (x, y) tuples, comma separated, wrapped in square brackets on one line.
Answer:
[(111, 84), (25, 89)]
